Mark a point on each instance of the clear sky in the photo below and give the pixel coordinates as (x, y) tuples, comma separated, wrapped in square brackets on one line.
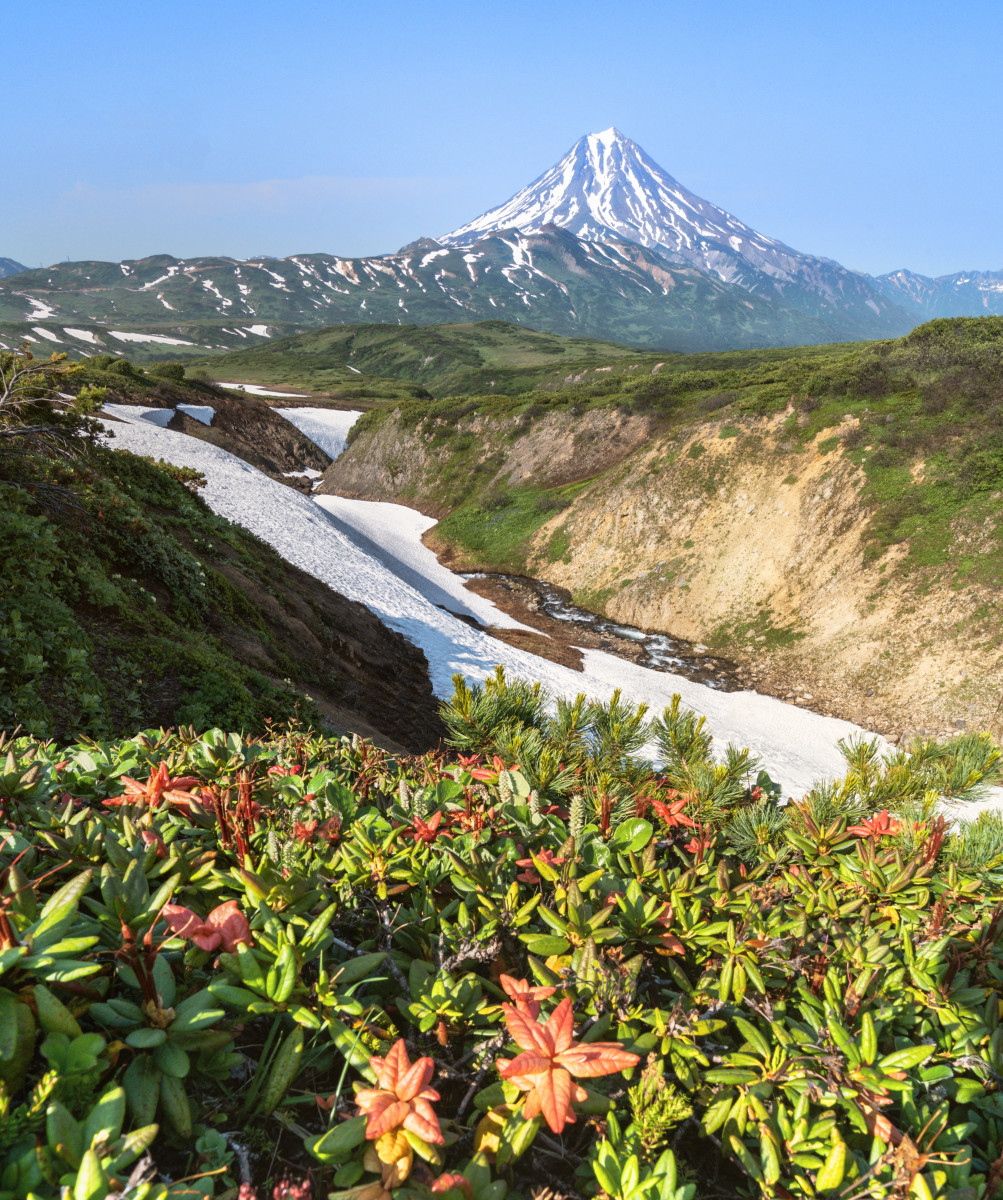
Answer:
[(867, 132)]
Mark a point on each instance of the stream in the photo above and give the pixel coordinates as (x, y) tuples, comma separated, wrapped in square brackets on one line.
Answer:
[(655, 651)]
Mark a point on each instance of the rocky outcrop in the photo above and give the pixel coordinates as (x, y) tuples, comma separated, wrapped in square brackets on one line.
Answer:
[(392, 460)]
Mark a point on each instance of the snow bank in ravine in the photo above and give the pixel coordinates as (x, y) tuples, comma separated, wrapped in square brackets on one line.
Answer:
[(327, 427)]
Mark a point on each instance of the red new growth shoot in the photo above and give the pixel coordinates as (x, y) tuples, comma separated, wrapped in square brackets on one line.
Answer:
[(551, 1057)]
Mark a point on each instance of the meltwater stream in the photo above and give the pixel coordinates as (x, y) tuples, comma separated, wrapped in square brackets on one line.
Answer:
[(655, 651)]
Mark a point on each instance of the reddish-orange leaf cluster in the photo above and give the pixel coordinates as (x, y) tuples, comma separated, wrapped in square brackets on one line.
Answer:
[(530, 875), (225, 926), (526, 999), (672, 813), (668, 942), (446, 1183), (699, 845), (490, 774), (402, 1098), (427, 831), (329, 831), (152, 838), (882, 824), (551, 1057), (161, 787)]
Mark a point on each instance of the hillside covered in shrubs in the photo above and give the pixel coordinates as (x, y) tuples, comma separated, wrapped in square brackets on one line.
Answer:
[(126, 602), (829, 520), (526, 966)]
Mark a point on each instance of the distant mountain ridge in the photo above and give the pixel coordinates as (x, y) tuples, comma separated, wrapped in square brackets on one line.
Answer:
[(8, 266), (551, 280), (605, 244), (963, 294)]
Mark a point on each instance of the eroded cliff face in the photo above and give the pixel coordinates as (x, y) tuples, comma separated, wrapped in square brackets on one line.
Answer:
[(734, 538), (398, 462)]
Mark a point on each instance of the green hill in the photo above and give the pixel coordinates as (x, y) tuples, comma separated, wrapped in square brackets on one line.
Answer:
[(465, 358), (828, 519), (126, 603)]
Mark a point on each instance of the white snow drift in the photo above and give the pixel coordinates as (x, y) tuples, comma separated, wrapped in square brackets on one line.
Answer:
[(253, 389), (327, 427)]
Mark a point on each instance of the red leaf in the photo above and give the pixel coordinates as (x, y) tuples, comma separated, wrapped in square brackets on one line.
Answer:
[(554, 1092), (527, 1032)]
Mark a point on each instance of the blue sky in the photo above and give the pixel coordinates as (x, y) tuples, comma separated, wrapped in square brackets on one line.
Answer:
[(865, 132)]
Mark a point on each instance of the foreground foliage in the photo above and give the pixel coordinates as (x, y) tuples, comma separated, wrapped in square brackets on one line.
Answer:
[(296, 963)]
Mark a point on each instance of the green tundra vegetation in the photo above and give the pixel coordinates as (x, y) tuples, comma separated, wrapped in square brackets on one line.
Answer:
[(921, 415), (465, 358), (124, 599), (236, 965)]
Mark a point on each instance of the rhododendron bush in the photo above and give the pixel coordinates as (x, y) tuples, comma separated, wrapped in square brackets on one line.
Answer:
[(299, 966)]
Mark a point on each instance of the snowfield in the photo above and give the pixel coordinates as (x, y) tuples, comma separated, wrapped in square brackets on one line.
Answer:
[(253, 389), (130, 413), (797, 747), (201, 412), (392, 534), (326, 427), (157, 338)]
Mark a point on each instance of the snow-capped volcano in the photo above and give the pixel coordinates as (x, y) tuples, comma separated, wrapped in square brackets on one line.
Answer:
[(606, 187)]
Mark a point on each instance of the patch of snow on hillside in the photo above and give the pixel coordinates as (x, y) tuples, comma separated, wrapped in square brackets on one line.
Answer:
[(258, 330), (253, 389), (84, 335), (139, 414), (201, 412), (46, 333), (159, 338), (306, 473), (797, 747), (40, 311), (393, 533), (325, 427)]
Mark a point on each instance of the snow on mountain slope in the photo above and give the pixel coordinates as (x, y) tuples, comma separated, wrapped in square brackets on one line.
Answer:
[(326, 427), (551, 280), (797, 746), (607, 187), (963, 294)]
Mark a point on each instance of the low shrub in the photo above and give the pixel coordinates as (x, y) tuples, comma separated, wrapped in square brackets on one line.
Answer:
[(295, 963)]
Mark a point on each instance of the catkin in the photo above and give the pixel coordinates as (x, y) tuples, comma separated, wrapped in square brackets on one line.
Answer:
[(576, 817)]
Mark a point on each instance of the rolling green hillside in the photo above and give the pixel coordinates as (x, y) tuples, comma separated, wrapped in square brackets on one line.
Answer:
[(127, 603), (465, 358), (452, 359)]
